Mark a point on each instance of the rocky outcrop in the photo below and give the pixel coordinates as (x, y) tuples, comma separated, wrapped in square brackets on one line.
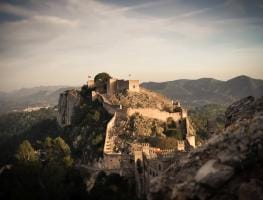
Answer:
[(242, 109), (229, 166), (68, 103)]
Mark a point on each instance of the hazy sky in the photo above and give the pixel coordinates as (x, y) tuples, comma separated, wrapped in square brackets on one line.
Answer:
[(62, 42)]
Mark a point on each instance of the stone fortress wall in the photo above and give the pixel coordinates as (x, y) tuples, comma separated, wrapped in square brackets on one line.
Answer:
[(108, 138), (157, 114), (113, 161), (146, 112), (150, 113)]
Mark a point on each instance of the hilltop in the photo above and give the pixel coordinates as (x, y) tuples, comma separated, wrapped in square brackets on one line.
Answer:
[(208, 90), (130, 142)]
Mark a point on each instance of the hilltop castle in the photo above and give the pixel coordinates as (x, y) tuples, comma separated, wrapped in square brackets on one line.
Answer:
[(124, 100), (142, 160)]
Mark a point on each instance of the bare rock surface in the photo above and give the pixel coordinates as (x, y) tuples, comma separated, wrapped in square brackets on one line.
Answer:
[(68, 103), (229, 166)]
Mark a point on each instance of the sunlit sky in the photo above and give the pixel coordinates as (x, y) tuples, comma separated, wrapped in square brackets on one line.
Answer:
[(63, 42)]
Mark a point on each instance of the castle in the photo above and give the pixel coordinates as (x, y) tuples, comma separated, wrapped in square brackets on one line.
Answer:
[(114, 85), (142, 161)]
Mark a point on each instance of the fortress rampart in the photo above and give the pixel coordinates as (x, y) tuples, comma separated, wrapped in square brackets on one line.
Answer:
[(155, 113), (108, 140)]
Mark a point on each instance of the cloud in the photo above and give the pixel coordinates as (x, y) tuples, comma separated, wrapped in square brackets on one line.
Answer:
[(195, 12), (55, 20), (236, 6), (65, 40), (15, 10)]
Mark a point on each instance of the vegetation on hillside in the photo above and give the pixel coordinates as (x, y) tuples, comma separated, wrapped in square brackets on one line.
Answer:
[(102, 77), (112, 187), (45, 173), (32, 126), (87, 135), (42, 155), (15, 123), (201, 115)]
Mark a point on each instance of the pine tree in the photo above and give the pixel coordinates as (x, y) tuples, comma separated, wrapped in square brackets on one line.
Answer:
[(26, 152)]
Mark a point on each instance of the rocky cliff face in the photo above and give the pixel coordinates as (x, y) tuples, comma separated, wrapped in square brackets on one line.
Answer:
[(68, 102), (229, 166)]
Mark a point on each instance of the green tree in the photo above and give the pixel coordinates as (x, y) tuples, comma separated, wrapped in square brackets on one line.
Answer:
[(61, 147), (61, 151), (102, 77), (179, 135), (85, 91), (96, 116), (171, 123), (26, 152), (47, 143)]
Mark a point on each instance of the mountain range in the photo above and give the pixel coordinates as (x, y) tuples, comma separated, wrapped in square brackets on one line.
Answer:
[(30, 97), (208, 90), (189, 92)]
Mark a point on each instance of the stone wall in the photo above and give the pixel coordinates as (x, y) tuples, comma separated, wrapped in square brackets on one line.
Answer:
[(154, 113), (112, 109), (190, 129), (108, 140), (111, 86), (112, 161)]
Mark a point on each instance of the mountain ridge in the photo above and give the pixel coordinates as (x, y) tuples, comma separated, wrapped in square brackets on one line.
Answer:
[(203, 91), (190, 92)]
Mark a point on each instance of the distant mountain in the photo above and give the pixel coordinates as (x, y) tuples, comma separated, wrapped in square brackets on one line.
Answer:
[(208, 90), (189, 92), (30, 97)]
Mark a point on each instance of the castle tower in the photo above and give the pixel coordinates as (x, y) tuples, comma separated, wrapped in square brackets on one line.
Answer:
[(91, 84), (146, 148), (139, 172), (111, 86), (180, 145)]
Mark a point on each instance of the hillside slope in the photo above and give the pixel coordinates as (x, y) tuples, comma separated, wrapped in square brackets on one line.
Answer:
[(229, 166), (207, 90)]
